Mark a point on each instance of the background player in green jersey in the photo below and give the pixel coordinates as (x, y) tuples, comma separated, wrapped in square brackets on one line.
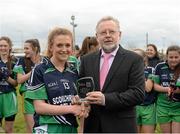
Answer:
[(23, 69), (168, 111), (146, 112), (8, 100)]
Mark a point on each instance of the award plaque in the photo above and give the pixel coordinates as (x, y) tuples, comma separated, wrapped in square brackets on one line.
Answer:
[(85, 85)]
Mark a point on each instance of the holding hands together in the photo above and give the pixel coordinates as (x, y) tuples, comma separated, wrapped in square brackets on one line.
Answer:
[(173, 94), (82, 108)]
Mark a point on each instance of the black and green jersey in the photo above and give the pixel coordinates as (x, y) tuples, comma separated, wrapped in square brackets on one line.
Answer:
[(21, 68), (163, 76), (150, 97), (56, 88), (6, 87)]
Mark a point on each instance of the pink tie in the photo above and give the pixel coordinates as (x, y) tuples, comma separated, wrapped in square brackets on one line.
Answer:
[(104, 69)]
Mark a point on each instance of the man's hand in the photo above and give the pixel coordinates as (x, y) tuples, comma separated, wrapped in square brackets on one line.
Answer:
[(96, 97)]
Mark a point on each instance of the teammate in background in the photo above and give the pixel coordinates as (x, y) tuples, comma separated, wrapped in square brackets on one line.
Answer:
[(8, 99), (152, 55), (73, 63), (146, 112), (89, 45), (73, 60), (168, 111), (23, 69), (52, 88), (76, 51)]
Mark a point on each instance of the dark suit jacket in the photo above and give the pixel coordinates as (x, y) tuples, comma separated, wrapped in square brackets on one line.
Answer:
[(123, 90)]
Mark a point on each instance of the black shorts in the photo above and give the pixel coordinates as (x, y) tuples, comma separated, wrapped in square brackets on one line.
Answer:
[(10, 118)]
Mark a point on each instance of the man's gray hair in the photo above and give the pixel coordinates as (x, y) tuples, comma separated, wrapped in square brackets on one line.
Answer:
[(108, 18)]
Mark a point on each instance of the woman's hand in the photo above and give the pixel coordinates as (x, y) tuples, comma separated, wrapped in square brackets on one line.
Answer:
[(85, 109), (76, 100), (85, 106), (170, 91)]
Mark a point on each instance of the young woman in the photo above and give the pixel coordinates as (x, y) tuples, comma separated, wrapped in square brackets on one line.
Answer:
[(76, 51), (89, 45), (146, 112), (8, 100), (168, 111), (23, 69), (152, 55), (52, 87)]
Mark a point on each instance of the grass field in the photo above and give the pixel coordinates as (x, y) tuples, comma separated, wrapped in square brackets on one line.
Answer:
[(19, 125)]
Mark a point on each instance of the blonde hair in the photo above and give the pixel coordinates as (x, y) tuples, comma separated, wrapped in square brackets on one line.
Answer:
[(55, 32)]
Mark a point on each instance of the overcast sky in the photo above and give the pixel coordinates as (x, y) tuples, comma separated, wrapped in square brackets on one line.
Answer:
[(24, 19)]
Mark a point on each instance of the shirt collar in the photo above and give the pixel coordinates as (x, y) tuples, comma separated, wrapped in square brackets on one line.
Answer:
[(113, 53)]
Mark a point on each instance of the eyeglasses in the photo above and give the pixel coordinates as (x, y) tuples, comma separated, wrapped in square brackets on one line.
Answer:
[(110, 32)]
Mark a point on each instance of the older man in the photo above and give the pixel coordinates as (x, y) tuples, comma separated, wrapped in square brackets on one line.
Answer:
[(119, 82)]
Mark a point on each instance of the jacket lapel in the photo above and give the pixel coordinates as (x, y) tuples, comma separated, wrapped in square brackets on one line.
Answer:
[(96, 67), (115, 65)]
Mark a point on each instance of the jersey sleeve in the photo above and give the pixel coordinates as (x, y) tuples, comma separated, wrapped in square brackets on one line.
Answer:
[(36, 87), (156, 76), (178, 82)]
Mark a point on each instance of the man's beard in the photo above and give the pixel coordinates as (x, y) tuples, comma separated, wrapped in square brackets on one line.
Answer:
[(109, 48)]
